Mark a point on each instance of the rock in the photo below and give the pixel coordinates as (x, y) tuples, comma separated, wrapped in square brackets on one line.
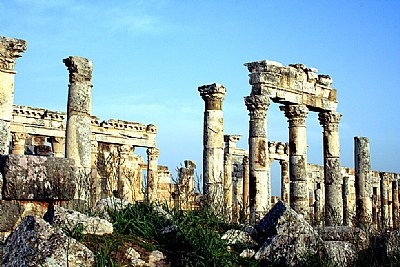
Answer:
[(353, 235), (70, 220), (169, 229), (282, 220), (237, 236), (342, 253), (134, 257), (10, 213), (107, 204), (392, 243), (36, 243), (157, 258), (28, 177), (288, 250), (162, 213), (247, 253)]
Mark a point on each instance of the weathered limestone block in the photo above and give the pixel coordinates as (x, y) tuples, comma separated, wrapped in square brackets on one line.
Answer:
[(353, 235), (392, 243), (237, 237), (282, 220), (70, 219), (134, 257), (341, 253), (36, 243), (37, 178), (213, 145), (259, 179), (10, 213)]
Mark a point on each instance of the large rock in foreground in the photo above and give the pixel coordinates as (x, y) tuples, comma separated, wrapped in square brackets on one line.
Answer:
[(36, 243), (37, 178)]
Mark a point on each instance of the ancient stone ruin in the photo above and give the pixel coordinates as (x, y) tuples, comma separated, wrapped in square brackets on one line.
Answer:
[(73, 159)]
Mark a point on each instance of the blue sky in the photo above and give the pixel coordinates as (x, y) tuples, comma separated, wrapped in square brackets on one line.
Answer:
[(150, 56)]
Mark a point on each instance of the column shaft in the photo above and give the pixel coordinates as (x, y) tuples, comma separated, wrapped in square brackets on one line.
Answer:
[(228, 193), (246, 209), (333, 178), (297, 115), (285, 181), (259, 179), (395, 204), (79, 123), (10, 50), (363, 180), (384, 202), (152, 175), (213, 146)]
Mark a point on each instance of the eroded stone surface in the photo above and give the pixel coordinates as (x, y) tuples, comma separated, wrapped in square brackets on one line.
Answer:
[(10, 213), (37, 178), (341, 253), (237, 236), (36, 243)]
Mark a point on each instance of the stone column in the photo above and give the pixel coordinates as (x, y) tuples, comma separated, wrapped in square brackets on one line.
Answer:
[(285, 181), (363, 180), (213, 145), (318, 205), (395, 203), (124, 185), (18, 139), (79, 123), (10, 50), (333, 177), (297, 115), (384, 202), (259, 179), (228, 187), (152, 175), (58, 146), (345, 196), (246, 188), (95, 176)]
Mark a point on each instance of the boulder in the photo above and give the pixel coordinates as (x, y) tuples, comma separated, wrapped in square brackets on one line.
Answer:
[(28, 177), (36, 243), (392, 243), (134, 257), (10, 213), (103, 206), (71, 220), (341, 253), (157, 259), (353, 235), (237, 236)]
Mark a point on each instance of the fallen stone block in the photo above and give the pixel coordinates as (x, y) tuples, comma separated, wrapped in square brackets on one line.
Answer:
[(342, 253), (238, 237), (27, 177), (36, 243)]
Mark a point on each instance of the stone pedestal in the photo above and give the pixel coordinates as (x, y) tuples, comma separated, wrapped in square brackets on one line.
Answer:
[(259, 179), (285, 181), (228, 187), (213, 145), (333, 178), (79, 124), (363, 180), (152, 177), (297, 115), (246, 209), (10, 50)]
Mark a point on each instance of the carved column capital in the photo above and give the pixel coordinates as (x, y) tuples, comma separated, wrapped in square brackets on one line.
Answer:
[(257, 105), (329, 120), (153, 153), (10, 49), (296, 114), (227, 158), (18, 140), (213, 95), (19, 137), (80, 69), (245, 160)]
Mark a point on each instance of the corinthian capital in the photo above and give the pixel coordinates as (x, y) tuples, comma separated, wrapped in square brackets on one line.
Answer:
[(153, 152), (257, 105), (80, 69), (329, 120), (296, 114), (10, 49), (213, 95)]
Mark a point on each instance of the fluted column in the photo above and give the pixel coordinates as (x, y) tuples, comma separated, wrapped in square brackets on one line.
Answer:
[(57, 145), (213, 146), (259, 179), (10, 50), (363, 180), (285, 181), (18, 140), (297, 115), (228, 187), (152, 175), (333, 177), (246, 209), (79, 124)]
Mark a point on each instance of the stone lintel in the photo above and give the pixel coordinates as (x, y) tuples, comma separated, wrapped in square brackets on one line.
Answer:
[(10, 50), (80, 69), (37, 178), (213, 95), (293, 84)]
